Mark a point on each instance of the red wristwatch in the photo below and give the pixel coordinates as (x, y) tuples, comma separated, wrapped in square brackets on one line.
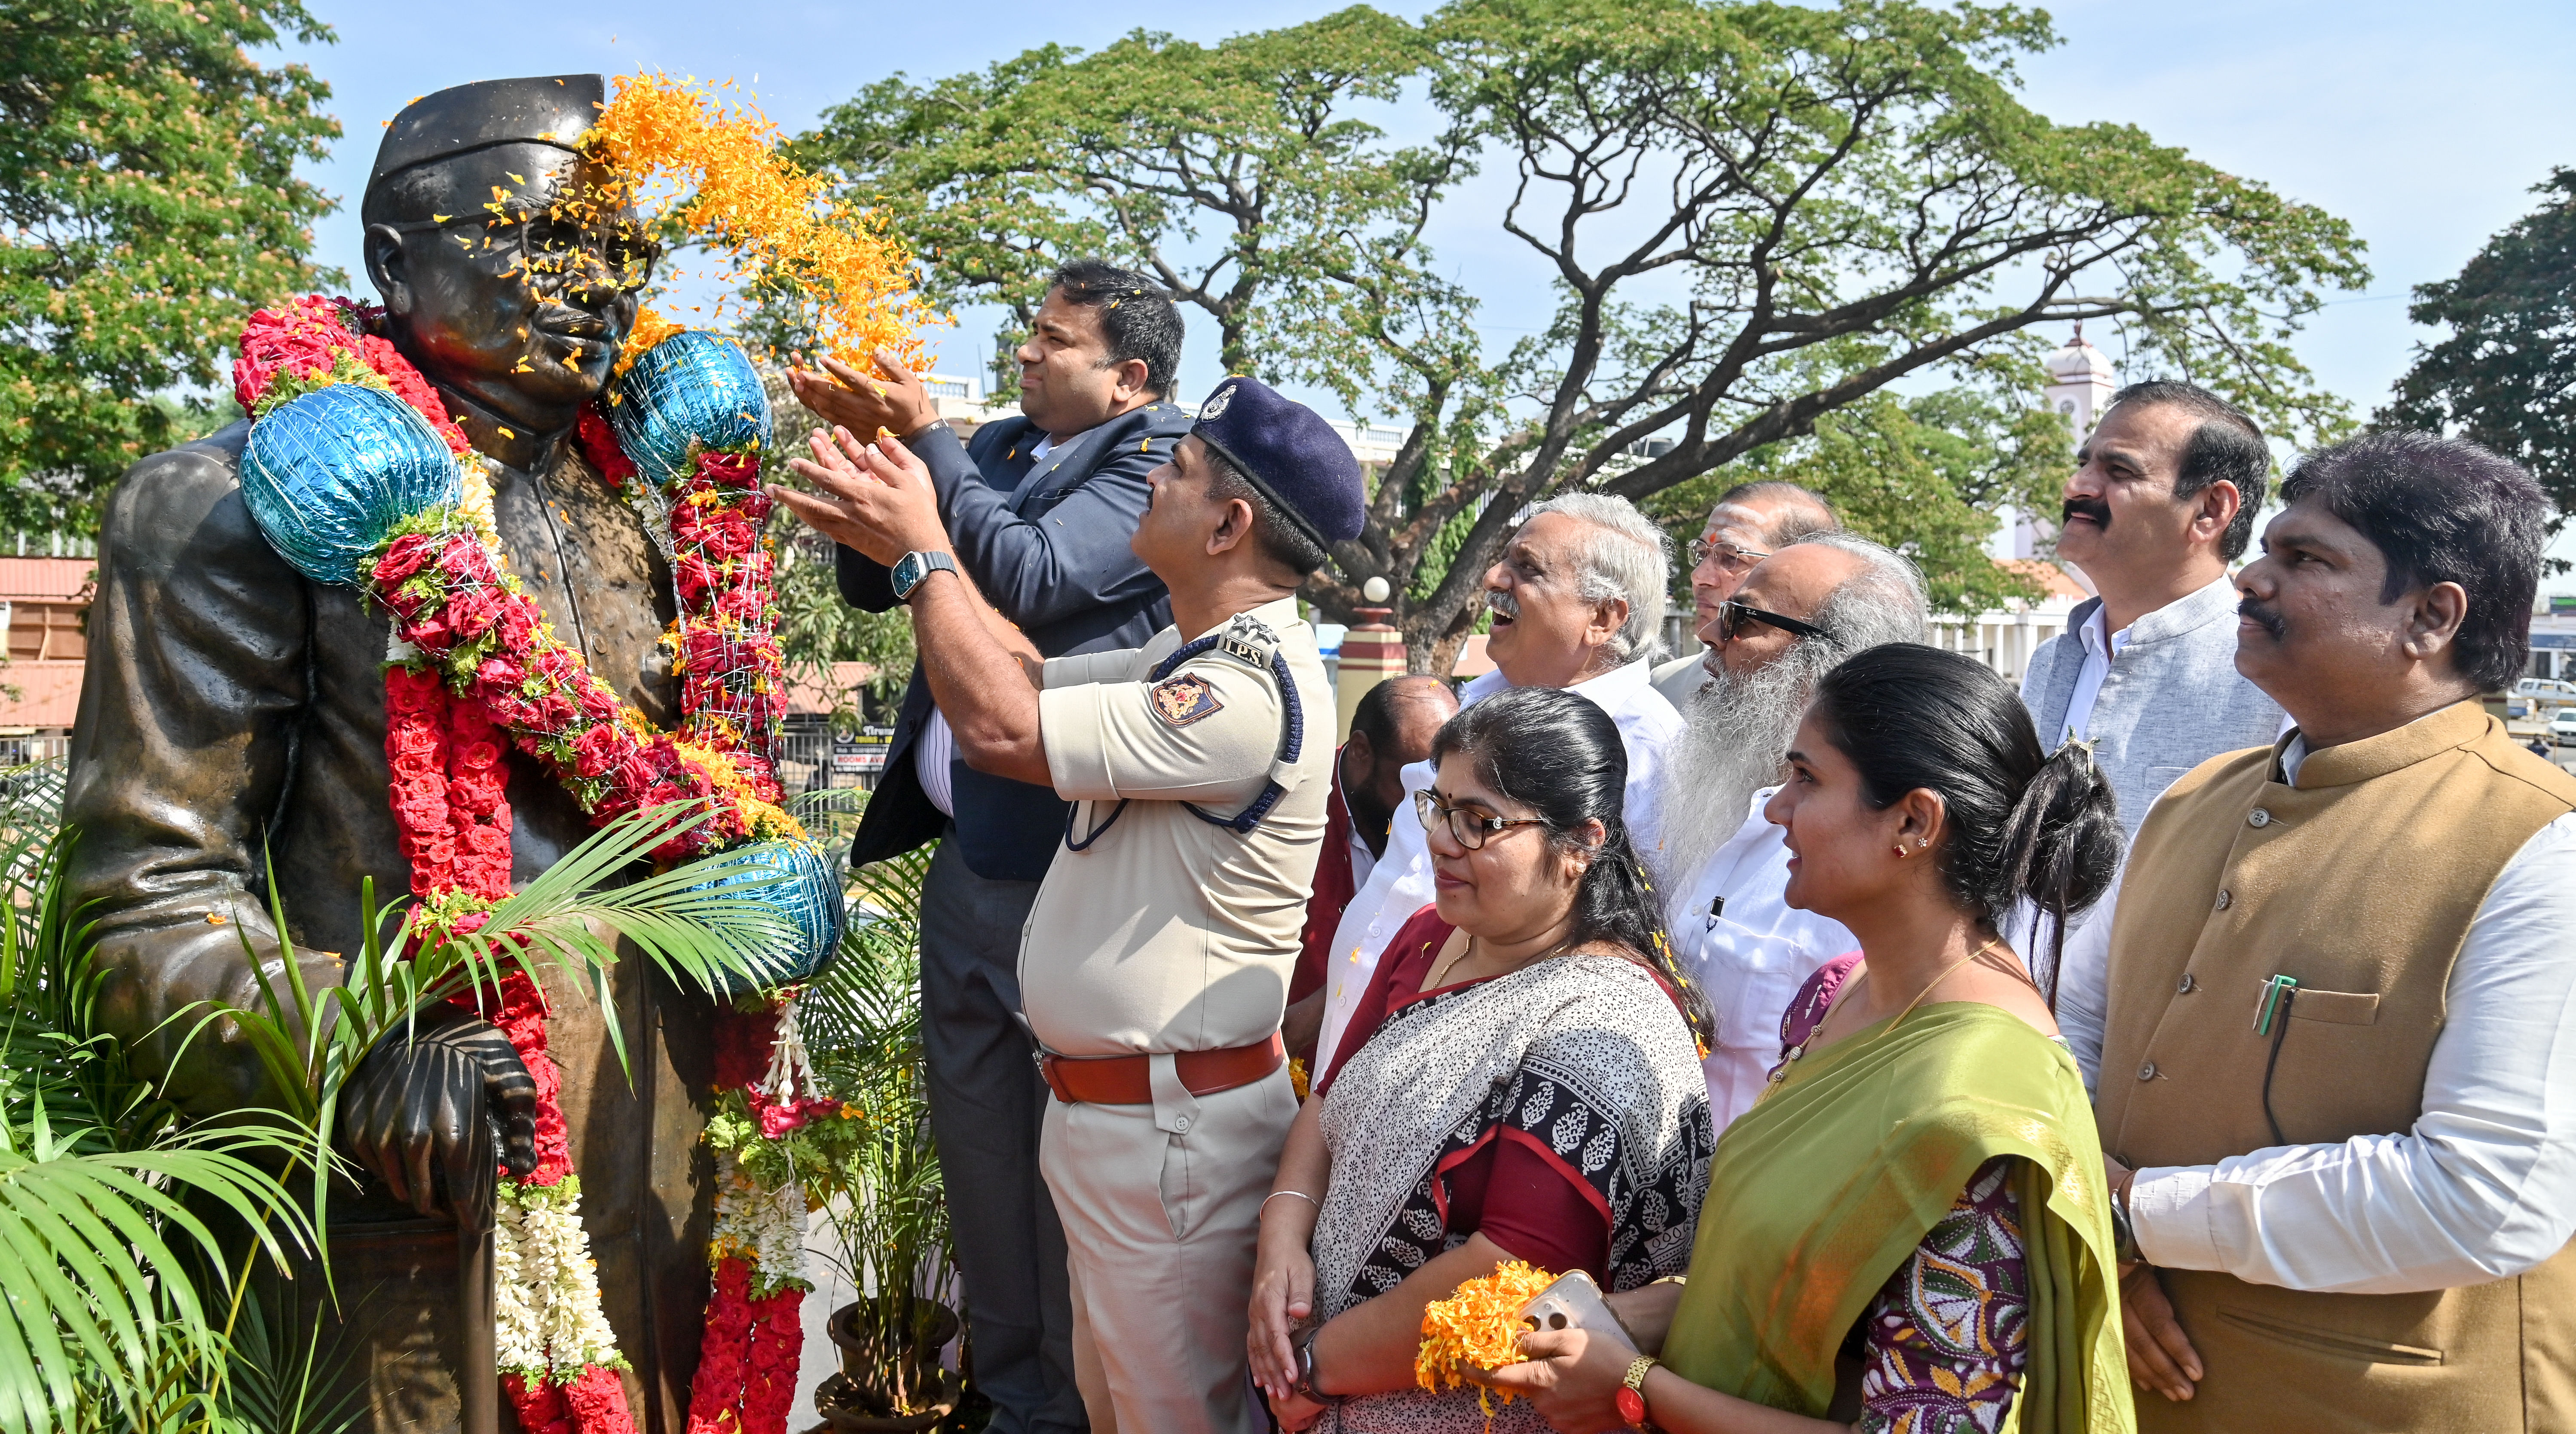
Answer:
[(1631, 1398)]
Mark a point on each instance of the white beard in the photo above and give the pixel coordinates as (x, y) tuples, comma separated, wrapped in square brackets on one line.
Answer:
[(1736, 735)]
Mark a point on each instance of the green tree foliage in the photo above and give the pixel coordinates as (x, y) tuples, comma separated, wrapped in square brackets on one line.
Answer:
[(148, 202), (1750, 217), (2506, 376), (815, 627)]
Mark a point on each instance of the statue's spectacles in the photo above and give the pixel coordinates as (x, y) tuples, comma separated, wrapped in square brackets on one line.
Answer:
[(552, 250), (1465, 827)]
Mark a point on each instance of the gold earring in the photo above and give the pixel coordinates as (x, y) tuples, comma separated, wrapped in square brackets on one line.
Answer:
[(1900, 851)]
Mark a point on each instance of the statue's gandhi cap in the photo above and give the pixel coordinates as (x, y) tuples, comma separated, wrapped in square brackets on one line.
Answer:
[(545, 109)]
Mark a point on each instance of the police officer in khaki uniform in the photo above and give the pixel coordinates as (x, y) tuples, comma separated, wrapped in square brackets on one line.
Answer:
[(1156, 961)]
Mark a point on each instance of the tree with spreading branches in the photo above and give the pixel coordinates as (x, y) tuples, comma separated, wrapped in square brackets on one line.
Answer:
[(2506, 373), (1750, 218), (148, 203)]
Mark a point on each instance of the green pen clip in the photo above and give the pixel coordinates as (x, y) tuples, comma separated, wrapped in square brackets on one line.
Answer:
[(2274, 989)]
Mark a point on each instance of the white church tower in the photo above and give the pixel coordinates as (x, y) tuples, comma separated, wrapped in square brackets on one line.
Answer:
[(2080, 386)]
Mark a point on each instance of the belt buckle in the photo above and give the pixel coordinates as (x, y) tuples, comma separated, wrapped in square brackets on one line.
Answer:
[(1046, 1071)]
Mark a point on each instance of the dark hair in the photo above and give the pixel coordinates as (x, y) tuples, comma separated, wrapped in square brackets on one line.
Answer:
[(2021, 824), (1374, 717), (1283, 542), (1560, 755), (1804, 511), (2443, 510), (1137, 319), (2227, 444)]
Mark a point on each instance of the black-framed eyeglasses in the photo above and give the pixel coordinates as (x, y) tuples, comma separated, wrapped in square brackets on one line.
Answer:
[(550, 250), (1465, 827), (1732, 616), (1730, 556)]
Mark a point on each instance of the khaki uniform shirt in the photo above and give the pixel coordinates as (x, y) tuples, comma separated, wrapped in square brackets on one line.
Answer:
[(1170, 932)]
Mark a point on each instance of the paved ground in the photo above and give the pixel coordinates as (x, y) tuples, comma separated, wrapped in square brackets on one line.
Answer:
[(2565, 756)]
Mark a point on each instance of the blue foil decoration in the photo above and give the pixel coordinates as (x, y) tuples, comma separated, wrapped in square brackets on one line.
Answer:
[(807, 897), (328, 474), (692, 391)]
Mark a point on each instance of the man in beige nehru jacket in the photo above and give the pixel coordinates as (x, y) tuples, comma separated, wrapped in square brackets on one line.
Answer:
[(2340, 1042), (1156, 961)]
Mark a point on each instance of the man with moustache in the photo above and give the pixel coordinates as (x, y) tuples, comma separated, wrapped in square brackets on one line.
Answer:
[(1040, 507), (1799, 612), (1577, 598), (1749, 522), (2336, 1090), (2163, 498), (1391, 729)]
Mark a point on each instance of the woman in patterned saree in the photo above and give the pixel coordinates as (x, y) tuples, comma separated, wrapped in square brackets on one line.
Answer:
[(1908, 1234), (1521, 1081)]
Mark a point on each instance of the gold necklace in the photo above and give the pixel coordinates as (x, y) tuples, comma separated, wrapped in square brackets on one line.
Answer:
[(1442, 968), (1791, 1056)]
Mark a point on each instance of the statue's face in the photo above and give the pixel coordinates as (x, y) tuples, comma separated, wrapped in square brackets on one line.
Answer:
[(523, 310)]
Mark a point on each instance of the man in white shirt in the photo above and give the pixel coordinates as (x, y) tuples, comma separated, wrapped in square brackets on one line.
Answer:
[(1798, 613), (1748, 523), (2340, 1041), (2163, 498), (1577, 598)]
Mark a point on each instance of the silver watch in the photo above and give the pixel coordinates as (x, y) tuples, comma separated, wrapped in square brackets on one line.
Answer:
[(914, 567)]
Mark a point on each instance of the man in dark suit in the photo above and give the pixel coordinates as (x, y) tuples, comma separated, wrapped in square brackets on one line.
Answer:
[(1039, 509)]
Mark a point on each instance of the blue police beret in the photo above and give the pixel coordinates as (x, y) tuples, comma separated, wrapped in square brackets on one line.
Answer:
[(1288, 452)]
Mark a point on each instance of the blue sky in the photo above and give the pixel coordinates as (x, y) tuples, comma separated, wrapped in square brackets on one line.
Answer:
[(2424, 125)]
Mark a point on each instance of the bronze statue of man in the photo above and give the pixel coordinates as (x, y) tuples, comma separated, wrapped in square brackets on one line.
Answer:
[(232, 726)]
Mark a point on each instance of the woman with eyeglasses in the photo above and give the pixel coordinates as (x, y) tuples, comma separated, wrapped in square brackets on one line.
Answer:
[(1521, 1081), (1909, 1231)]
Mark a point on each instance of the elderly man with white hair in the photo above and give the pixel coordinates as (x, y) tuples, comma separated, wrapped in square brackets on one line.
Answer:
[(1577, 599), (1721, 865)]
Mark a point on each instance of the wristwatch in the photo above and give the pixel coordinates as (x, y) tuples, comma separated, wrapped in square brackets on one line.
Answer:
[(914, 567), (2124, 1234), (1304, 1343), (1631, 1398)]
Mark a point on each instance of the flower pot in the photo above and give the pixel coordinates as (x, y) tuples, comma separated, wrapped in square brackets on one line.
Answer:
[(859, 1400)]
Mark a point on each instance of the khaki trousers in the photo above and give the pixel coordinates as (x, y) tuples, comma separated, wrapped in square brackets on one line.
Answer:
[(1161, 1207)]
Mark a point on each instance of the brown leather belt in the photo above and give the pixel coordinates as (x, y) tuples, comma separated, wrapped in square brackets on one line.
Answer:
[(1127, 1080)]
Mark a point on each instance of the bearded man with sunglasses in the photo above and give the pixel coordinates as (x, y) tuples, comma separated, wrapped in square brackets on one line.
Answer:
[(1797, 614), (231, 744)]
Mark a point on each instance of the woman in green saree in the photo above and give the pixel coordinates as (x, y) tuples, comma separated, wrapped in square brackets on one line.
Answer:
[(1909, 1232)]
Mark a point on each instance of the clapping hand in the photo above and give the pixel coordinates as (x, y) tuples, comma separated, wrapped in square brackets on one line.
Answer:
[(891, 400), (875, 498)]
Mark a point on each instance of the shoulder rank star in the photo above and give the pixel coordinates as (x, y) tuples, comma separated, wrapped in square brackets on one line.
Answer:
[(1182, 700), (1249, 641)]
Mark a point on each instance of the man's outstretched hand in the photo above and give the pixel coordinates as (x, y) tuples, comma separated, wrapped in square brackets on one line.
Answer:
[(434, 1113), (873, 498), (891, 399)]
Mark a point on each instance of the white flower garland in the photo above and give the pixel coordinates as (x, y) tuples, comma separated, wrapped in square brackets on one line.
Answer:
[(766, 1228), (546, 1285)]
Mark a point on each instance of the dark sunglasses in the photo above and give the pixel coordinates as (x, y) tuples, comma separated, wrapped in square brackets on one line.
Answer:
[(1732, 616)]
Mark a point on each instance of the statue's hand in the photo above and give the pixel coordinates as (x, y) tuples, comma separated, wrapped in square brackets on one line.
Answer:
[(435, 1113)]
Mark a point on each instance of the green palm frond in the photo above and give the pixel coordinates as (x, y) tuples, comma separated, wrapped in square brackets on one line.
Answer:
[(99, 1254)]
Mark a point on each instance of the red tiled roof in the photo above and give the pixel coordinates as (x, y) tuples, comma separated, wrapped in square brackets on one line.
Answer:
[(2051, 578), (46, 579), (49, 691), (806, 696)]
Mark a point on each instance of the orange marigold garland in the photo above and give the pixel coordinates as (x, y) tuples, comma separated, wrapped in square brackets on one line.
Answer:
[(1478, 1325)]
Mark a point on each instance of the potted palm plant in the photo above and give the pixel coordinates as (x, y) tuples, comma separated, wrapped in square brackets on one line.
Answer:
[(882, 1193)]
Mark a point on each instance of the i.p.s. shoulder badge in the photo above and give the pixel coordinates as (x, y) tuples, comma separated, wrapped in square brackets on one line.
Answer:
[(1182, 700)]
